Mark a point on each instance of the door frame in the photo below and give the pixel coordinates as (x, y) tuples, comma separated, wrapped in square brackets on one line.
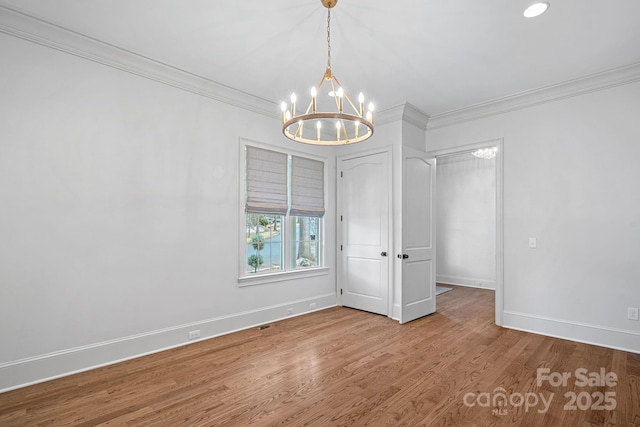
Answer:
[(461, 149), (390, 251)]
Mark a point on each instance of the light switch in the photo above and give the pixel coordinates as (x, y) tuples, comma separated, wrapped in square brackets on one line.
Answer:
[(533, 242)]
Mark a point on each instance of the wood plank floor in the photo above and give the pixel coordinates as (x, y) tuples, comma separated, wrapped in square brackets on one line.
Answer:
[(346, 367)]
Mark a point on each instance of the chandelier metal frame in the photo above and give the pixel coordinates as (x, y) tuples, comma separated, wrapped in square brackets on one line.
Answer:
[(351, 127)]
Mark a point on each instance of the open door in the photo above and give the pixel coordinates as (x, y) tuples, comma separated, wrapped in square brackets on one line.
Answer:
[(418, 269)]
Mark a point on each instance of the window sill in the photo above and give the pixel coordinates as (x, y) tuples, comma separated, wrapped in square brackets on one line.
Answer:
[(282, 276)]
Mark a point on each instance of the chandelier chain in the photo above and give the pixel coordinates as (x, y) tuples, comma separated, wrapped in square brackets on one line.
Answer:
[(329, 39)]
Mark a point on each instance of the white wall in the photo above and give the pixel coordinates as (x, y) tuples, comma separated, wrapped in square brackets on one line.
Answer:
[(570, 179), (119, 216), (466, 220)]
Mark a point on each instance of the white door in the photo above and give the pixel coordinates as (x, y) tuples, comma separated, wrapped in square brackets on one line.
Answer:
[(364, 187), (418, 271)]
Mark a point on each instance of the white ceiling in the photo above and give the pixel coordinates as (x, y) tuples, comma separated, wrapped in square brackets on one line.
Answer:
[(438, 55)]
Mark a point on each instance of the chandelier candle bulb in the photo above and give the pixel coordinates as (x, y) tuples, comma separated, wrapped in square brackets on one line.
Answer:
[(338, 131), (357, 127), (283, 107), (318, 127), (293, 104), (361, 99)]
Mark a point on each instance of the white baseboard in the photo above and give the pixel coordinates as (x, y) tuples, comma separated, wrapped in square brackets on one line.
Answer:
[(618, 339), (471, 282), (22, 373)]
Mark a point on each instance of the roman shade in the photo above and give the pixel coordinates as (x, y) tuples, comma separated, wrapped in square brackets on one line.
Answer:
[(266, 182), (307, 187)]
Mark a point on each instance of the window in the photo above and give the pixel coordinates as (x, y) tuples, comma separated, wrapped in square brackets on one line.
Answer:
[(283, 212), (264, 243)]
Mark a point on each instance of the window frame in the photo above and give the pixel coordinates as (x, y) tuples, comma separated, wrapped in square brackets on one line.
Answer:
[(287, 273)]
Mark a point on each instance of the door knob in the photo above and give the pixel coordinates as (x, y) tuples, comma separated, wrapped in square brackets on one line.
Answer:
[(383, 253)]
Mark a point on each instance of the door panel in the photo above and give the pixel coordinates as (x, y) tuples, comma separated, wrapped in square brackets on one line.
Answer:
[(417, 294), (417, 203), (418, 235), (365, 224), (362, 184)]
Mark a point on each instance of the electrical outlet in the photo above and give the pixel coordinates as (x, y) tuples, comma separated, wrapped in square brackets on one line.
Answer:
[(194, 334), (312, 305), (289, 311), (632, 313)]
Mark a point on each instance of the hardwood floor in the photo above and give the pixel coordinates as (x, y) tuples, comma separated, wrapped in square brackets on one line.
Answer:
[(346, 367)]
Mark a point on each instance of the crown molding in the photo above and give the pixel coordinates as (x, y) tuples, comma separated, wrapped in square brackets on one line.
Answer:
[(404, 112), (415, 116), (389, 115), (22, 25), (27, 27), (580, 86)]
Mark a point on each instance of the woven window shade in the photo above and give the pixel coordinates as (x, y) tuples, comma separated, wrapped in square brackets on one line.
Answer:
[(266, 182), (307, 187)]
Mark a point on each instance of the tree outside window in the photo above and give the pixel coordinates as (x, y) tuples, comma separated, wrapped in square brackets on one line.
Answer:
[(264, 243), (305, 243)]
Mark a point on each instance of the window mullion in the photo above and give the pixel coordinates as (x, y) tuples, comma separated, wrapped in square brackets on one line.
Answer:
[(286, 243)]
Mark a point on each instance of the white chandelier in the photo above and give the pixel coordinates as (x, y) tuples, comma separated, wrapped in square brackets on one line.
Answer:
[(334, 125)]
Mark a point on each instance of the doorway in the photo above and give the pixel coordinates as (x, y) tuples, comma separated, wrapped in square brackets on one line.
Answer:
[(470, 218)]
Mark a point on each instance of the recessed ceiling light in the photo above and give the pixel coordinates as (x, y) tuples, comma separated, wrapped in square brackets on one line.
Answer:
[(536, 9)]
